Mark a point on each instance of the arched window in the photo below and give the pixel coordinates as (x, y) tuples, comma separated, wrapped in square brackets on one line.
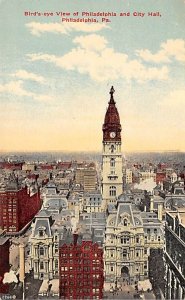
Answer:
[(112, 191), (112, 148), (112, 162)]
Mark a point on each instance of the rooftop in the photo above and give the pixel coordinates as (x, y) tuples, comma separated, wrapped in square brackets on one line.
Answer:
[(180, 213)]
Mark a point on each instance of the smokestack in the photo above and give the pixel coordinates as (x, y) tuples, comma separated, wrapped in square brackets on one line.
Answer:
[(21, 263), (75, 238)]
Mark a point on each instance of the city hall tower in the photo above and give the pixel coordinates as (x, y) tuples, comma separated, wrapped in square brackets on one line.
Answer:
[(112, 182)]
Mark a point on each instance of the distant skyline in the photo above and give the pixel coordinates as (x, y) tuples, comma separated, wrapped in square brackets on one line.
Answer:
[(56, 77)]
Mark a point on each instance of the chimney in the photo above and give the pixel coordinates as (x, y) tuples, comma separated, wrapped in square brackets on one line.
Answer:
[(159, 211), (75, 238), (151, 204)]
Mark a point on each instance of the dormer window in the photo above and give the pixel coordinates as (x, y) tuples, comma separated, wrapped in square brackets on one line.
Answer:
[(41, 233), (125, 219), (125, 222)]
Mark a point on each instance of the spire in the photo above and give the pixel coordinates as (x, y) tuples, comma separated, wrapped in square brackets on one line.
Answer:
[(112, 126)]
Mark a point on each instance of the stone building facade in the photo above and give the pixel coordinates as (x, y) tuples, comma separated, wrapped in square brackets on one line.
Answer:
[(44, 247), (129, 236)]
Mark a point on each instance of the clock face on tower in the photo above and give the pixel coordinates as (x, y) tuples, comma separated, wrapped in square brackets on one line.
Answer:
[(112, 134)]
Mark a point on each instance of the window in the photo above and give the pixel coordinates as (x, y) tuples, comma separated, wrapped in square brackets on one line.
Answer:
[(41, 250), (125, 222), (112, 148), (126, 240), (41, 265), (112, 162), (159, 238), (56, 248), (124, 253), (137, 240), (112, 191), (41, 233), (112, 269), (56, 264)]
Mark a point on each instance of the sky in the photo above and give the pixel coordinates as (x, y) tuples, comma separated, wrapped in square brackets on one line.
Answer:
[(56, 75)]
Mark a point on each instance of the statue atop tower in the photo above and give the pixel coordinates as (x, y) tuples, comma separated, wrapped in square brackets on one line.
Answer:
[(112, 91)]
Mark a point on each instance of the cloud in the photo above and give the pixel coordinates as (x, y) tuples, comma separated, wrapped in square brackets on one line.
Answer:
[(92, 56), (22, 74), (92, 42), (16, 88), (43, 98), (170, 49), (175, 100), (63, 28)]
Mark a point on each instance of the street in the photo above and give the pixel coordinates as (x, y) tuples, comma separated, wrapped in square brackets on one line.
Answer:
[(126, 291)]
